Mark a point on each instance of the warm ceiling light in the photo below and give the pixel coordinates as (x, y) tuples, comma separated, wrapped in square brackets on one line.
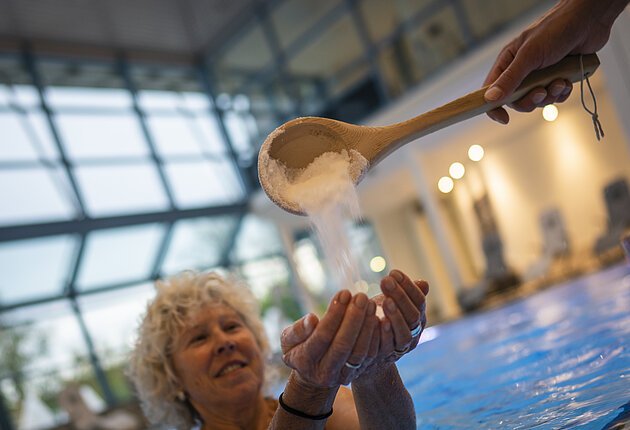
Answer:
[(475, 152), (377, 264), (550, 113), (445, 184), (457, 170)]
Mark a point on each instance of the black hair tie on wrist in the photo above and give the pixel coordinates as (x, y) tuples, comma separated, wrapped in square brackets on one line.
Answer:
[(301, 414)]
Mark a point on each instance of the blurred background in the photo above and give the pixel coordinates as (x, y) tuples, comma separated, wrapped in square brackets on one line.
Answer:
[(129, 132)]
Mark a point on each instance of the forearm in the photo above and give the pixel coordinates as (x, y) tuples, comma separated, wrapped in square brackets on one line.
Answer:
[(605, 12), (383, 402), (305, 398)]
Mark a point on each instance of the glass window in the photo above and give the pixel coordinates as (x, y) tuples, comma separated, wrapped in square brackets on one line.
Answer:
[(263, 276), (199, 244), (242, 128), (15, 144), (35, 268), (204, 183), (41, 137), (77, 97), (43, 194), (157, 100), (257, 238), (119, 255), (436, 41), (185, 134), (245, 56), (486, 16), (101, 136), (112, 319), (26, 133), (74, 84), (292, 18), (319, 60), (48, 351), (118, 189), (383, 17)]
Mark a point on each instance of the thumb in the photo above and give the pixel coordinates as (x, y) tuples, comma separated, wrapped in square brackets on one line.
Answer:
[(298, 332), (511, 77)]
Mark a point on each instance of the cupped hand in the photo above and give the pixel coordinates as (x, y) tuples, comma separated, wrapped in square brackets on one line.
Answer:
[(318, 350), (570, 27), (404, 306)]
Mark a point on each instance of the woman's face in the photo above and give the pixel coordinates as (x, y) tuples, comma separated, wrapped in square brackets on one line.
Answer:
[(217, 358)]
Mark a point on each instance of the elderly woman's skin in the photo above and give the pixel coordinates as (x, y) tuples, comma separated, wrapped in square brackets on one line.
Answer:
[(376, 386), (220, 364), (202, 349)]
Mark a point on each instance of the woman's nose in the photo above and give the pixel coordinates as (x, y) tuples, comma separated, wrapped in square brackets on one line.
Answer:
[(225, 346)]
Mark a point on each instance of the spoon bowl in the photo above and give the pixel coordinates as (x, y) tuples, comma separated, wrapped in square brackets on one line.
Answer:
[(298, 142)]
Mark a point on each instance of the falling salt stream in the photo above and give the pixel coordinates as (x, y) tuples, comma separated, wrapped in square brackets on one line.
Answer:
[(325, 191)]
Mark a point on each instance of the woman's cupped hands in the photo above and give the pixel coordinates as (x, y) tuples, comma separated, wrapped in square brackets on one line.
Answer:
[(357, 336)]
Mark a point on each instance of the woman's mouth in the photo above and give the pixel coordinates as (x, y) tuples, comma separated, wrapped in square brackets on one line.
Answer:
[(229, 368)]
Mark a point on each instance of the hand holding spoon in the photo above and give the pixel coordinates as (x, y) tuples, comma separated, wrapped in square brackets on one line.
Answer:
[(299, 141)]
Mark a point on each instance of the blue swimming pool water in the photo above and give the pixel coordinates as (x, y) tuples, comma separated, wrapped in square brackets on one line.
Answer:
[(557, 360)]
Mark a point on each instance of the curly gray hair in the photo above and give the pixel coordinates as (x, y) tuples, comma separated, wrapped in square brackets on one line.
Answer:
[(151, 367)]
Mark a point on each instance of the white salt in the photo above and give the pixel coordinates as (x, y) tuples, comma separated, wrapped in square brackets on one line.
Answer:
[(325, 191)]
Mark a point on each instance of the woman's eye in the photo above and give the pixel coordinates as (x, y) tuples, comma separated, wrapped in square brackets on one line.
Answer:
[(232, 326), (198, 338)]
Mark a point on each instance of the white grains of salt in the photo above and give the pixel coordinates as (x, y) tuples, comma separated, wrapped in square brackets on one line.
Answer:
[(325, 191)]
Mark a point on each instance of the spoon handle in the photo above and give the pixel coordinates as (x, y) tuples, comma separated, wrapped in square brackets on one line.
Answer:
[(396, 135)]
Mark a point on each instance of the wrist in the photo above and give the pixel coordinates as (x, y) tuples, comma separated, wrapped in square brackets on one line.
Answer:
[(376, 375), (309, 398)]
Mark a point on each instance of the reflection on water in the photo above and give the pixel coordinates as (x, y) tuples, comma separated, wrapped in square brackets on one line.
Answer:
[(558, 360)]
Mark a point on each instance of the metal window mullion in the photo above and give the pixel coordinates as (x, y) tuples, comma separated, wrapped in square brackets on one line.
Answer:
[(159, 163), (463, 23), (203, 73), (263, 16), (156, 271), (370, 51), (71, 293), (96, 365), (84, 226), (300, 42), (224, 260), (79, 203)]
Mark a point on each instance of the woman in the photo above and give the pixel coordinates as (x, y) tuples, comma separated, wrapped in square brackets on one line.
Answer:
[(201, 358)]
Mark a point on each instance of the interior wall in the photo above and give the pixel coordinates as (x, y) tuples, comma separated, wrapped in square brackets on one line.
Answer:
[(533, 165), (530, 165)]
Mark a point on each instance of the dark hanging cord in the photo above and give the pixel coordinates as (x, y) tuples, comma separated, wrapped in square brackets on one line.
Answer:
[(599, 131)]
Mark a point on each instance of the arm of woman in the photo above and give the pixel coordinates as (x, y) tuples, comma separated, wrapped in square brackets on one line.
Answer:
[(343, 335), (381, 399)]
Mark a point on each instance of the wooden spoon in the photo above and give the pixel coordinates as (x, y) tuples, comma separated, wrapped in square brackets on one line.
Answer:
[(298, 142)]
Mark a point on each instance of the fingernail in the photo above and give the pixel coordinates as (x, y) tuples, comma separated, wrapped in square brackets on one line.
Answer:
[(387, 326), (360, 300), (493, 93), (307, 323), (344, 297), (371, 308), (388, 285), (556, 90), (390, 305), (538, 97), (396, 275)]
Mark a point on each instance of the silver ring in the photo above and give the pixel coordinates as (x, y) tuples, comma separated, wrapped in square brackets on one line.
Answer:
[(416, 331), (352, 366), (401, 351)]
